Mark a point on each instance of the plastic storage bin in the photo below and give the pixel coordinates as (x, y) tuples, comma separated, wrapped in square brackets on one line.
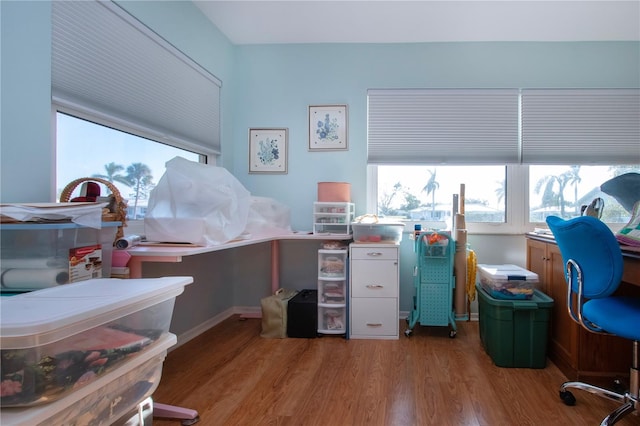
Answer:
[(507, 281), (41, 255), (57, 340), (514, 332), (333, 218), (378, 232), (104, 400)]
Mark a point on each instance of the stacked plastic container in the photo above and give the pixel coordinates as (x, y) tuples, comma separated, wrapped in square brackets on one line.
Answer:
[(84, 353)]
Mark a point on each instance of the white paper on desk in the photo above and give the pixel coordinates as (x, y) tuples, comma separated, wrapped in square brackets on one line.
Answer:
[(85, 214)]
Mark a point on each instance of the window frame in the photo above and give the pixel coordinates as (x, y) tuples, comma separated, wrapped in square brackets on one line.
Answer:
[(517, 205), (134, 226)]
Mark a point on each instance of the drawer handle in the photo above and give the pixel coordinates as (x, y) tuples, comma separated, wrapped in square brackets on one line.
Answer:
[(375, 286), (374, 324), (374, 253)]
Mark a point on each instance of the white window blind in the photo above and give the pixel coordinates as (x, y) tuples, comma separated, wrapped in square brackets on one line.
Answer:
[(107, 62), (443, 126), (581, 126)]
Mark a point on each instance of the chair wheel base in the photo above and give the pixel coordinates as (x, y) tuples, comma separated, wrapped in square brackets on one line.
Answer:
[(568, 398)]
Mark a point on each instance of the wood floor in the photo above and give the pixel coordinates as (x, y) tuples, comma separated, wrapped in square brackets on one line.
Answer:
[(232, 376)]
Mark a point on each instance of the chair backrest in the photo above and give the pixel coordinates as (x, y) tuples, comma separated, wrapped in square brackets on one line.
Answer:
[(593, 246)]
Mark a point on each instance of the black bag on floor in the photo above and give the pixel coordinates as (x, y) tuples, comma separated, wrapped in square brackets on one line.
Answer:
[(302, 315)]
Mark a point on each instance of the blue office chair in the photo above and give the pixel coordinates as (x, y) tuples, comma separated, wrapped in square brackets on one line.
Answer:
[(593, 270)]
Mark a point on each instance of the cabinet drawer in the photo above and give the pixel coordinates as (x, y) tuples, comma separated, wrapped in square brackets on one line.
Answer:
[(374, 253), (374, 278), (374, 317)]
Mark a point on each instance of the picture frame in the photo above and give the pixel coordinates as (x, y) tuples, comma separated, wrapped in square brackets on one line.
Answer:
[(268, 150), (328, 128)]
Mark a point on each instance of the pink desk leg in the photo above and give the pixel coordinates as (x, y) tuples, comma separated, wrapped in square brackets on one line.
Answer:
[(275, 266), (187, 415)]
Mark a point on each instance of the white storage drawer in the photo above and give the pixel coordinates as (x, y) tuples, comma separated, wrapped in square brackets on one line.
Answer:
[(374, 279), (374, 253), (374, 317)]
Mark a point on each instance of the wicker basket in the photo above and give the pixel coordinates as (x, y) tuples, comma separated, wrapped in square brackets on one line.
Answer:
[(119, 212)]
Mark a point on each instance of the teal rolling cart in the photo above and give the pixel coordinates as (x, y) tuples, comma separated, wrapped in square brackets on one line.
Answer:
[(434, 282)]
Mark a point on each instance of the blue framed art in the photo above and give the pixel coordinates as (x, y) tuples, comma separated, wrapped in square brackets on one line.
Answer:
[(328, 127), (268, 150)]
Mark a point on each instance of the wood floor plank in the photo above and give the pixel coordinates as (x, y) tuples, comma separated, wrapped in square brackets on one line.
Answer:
[(233, 377)]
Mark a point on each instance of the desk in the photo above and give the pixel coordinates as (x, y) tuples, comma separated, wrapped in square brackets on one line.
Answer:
[(174, 253), (579, 354), (630, 257)]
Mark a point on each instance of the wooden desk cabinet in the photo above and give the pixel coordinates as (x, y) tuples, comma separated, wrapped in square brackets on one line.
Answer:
[(579, 354)]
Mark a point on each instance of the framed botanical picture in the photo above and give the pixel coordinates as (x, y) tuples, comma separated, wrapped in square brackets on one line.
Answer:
[(327, 127), (268, 150)]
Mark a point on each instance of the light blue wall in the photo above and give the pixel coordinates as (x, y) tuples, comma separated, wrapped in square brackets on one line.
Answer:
[(26, 144), (272, 86), (279, 82)]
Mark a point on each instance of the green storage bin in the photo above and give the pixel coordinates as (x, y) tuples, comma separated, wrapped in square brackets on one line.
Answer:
[(514, 332)]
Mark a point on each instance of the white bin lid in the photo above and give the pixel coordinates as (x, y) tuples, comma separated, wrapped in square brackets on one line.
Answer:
[(45, 316), (507, 272)]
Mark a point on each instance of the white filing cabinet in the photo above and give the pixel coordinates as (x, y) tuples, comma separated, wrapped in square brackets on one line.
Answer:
[(374, 291), (332, 282)]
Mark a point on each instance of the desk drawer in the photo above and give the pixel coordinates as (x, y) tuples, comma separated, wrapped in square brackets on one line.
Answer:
[(375, 253), (374, 316)]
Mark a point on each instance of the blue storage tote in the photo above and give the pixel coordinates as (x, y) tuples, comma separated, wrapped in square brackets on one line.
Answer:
[(514, 332)]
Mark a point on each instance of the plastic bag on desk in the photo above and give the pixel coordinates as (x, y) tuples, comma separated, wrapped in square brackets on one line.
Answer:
[(196, 203), (267, 214)]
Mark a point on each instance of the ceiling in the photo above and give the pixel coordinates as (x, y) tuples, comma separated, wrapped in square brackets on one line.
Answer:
[(378, 21)]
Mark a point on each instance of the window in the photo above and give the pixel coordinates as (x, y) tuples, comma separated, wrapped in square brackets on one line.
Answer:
[(496, 197), (132, 163), (508, 146), (425, 193), (125, 101), (563, 190)]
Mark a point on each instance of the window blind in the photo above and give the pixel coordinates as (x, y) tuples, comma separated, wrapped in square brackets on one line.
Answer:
[(581, 126), (106, 61), (443, 126)]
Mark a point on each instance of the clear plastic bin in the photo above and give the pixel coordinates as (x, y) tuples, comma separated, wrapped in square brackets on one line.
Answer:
[(57, 340)]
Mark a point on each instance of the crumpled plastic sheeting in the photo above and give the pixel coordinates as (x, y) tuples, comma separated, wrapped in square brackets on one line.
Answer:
[(85, 214), (268, 215), (196, 203)]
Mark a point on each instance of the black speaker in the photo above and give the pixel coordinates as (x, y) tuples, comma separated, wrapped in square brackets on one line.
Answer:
[(302, 314)]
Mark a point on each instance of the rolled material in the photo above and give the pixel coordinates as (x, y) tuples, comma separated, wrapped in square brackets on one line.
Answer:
[(35, 263), (460, 267), (33, 279), (128, 242)]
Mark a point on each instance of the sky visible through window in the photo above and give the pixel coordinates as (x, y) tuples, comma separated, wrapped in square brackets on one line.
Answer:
[(84, 148)]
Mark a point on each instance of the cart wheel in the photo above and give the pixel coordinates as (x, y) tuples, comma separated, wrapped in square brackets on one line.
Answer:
[(408, 332), (452, 333), (568, 398)]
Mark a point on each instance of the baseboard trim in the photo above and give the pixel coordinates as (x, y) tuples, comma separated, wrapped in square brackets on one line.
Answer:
[(246, 312)]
